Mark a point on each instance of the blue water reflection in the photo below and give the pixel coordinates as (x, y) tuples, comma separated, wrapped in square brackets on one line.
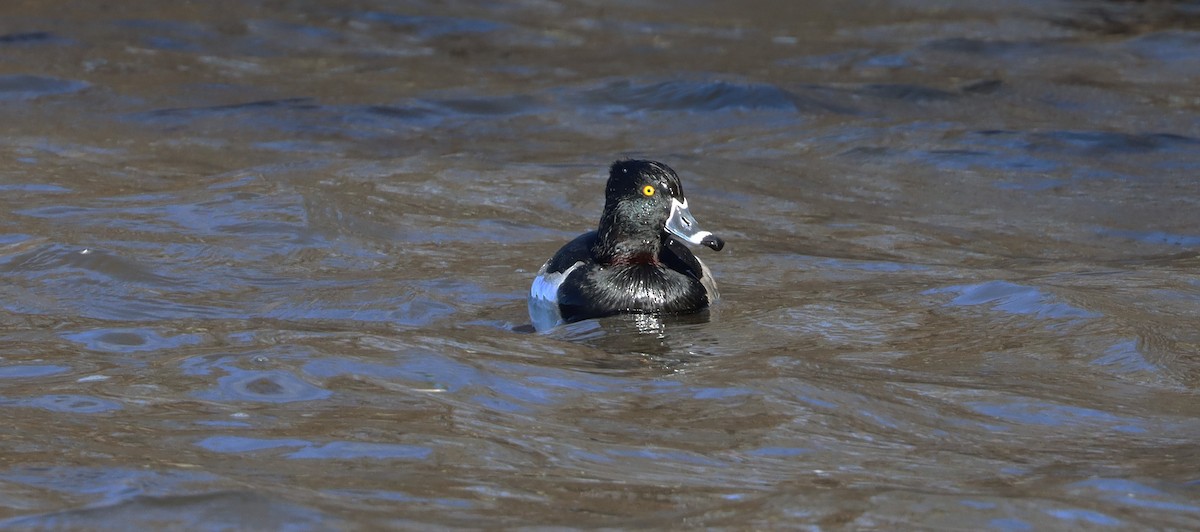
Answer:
[(1014, 299), (65, 403)]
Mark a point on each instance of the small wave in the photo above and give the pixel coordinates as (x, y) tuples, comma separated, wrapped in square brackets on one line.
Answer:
[(65, 403), (264, 386), (690, 96), (25, 87), (1014, 299)]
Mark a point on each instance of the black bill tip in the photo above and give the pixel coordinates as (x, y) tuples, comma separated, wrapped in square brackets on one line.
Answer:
[(713, 242)]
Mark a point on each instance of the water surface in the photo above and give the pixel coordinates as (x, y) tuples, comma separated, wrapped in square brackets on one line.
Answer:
[(263, 265)]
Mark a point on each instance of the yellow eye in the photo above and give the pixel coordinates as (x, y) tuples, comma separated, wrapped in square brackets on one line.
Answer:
[(648, 190)]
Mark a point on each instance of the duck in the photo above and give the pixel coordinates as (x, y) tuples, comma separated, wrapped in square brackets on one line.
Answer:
[(636, 261)]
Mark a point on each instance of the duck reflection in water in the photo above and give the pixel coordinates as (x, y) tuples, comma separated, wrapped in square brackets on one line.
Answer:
[(644, 340)]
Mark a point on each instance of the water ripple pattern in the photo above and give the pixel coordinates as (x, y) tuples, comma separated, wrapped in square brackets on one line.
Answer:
[(263, 265)]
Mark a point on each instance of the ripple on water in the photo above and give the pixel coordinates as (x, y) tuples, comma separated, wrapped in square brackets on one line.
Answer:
[(1108, 142), (349, 450), (38, 188), (1080, 516), (131, 339), (1171, 46), (416, 311), (431, 112), (25, 87), (494, 106), (1013, 299), (272, 386), (837, 324), (31, 38), (11, 239), (241, 444), (1083, 144), (779, 452), (1154, 237), (65, 403), (337, 450), (217, 510), (431, 26), (174, 36), (1125, 358), (501, 386), (689, 96), (278, 114), (428, 370), (110, 483), (397, 496), (51, 260), (1131, 493), (1033, 412), (1010, 524), (906, 92), (31, 370)]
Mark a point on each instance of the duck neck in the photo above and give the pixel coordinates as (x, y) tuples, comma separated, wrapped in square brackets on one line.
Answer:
[(625, 243)]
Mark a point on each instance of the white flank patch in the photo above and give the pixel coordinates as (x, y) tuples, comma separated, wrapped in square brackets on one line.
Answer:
[(545, 286), (543, 298)]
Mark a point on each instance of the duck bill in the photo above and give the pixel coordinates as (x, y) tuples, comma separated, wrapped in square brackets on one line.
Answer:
[(682, 224)]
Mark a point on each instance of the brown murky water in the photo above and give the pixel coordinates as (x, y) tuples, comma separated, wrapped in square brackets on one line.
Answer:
[(263, 265)]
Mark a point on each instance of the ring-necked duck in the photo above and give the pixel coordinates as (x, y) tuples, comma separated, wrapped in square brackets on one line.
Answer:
[(633, 262)]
